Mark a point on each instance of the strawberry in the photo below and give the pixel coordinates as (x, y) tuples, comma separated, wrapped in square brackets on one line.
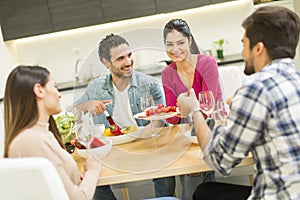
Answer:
[(160, 105)]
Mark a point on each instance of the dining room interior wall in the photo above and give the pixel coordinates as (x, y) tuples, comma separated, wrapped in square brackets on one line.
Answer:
[(297, 57), (60, 51)]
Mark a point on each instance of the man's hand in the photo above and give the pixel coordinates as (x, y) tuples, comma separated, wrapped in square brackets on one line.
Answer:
[(228, 101), (187, 101), (95, 107)]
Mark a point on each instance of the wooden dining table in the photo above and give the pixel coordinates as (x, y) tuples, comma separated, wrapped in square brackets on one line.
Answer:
[(186, 159)]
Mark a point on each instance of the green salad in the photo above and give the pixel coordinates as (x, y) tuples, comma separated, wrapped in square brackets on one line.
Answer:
[(66, 127)]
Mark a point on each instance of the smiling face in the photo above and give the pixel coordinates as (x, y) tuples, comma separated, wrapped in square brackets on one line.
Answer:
[(247, 55), (121, 61), (177, 46)]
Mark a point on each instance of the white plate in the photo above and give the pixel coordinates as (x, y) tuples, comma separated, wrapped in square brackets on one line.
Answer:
[(142, 115), (122, 139)]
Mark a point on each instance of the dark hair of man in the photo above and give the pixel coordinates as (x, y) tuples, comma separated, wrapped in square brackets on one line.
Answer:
[(181, 26), (20, 106), (276, 27), (109, 42)]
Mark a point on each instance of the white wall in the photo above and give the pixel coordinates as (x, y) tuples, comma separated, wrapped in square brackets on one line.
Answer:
[(60, 51), (6, 62), (297, 58)]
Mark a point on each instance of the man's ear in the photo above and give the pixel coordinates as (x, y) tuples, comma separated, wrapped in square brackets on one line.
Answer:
[(38, 90), (260, 47), (105, 62)]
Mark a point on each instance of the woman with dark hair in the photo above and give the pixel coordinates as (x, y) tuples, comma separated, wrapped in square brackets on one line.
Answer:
[(189, 69), (30, 100)]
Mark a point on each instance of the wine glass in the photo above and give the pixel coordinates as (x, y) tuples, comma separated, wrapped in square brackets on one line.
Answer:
[(84, 130), (146, 103), (219, 113), (207, 102)]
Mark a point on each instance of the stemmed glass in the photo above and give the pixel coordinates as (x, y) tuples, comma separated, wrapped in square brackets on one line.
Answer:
[(207, 102), (84, 130), (220, 113), (146, 103)]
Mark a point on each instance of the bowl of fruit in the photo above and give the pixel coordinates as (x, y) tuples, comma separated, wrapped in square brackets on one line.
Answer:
[(100, 148), (122, 135)]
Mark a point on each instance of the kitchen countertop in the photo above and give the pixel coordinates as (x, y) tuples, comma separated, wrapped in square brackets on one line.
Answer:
[(154, 71)]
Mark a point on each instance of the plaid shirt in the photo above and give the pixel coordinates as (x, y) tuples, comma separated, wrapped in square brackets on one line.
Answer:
[(264, 119)]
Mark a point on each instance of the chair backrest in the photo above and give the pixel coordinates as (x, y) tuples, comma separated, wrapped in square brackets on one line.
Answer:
[(231, 78), (30, 179)]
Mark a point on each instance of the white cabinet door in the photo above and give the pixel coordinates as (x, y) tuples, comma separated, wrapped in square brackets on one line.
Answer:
[(69, 96)]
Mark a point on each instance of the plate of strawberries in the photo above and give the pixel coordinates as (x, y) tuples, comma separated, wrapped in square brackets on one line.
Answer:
[(158, 112)]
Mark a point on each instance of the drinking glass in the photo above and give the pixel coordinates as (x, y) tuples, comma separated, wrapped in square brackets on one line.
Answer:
[(219, 113), (146, 103), (84, 130), (207, 102)]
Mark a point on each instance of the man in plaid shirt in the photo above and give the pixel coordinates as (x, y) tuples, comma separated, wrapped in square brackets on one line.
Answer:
[(264, 116)]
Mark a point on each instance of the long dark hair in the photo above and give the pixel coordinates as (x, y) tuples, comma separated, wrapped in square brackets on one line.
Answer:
[(20, 106), (181, 26)]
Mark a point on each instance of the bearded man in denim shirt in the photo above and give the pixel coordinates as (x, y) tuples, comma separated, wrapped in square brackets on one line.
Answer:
[(123, 87)]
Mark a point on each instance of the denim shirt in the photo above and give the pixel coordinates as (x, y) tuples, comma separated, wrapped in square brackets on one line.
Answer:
[(140, 85)]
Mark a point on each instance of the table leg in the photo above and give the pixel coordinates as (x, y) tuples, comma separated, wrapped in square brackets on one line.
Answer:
[(125, 193)]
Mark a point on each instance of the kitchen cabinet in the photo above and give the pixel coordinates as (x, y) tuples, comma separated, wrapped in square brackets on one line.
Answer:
[(24, 18), (119, 9), (68, 14), (218, 1), (34, 17), (164, 6)]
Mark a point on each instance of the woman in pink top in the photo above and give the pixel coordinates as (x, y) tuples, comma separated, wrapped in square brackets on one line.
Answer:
[(189, 68), (30, 100)]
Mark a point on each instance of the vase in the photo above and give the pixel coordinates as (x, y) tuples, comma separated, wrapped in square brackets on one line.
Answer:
[(220, 53)]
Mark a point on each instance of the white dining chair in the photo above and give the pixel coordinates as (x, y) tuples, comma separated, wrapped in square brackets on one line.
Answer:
[(231, 78), (30, 179)]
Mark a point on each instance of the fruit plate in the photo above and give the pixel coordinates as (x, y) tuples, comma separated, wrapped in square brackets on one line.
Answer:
[(160, 116), (129, 137)]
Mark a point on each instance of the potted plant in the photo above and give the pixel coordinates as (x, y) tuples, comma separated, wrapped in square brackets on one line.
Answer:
[(219, 49)]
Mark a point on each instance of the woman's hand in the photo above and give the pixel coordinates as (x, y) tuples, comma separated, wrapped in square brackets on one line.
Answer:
[(92, 164)]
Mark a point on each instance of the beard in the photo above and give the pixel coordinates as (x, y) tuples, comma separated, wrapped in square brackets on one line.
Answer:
[(122, 75), (249, 68)]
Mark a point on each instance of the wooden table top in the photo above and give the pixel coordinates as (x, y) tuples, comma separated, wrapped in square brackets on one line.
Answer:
[(185, 160)]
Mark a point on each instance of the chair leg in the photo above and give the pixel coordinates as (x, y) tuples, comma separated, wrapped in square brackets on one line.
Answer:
[(125, 193)]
